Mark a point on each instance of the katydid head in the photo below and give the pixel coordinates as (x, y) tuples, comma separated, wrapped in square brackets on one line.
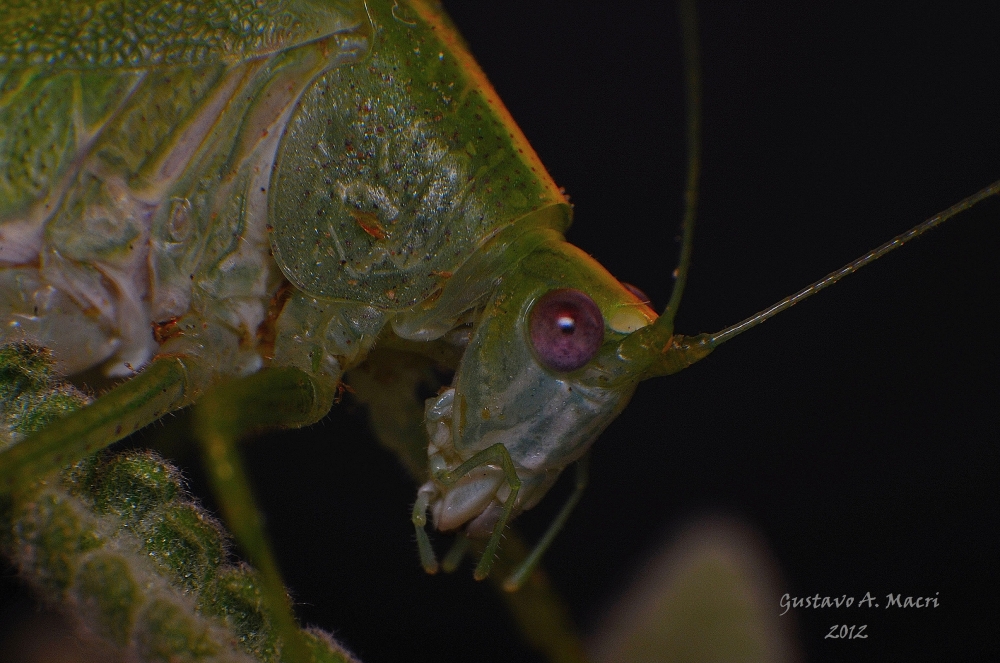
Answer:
[(554, 357)]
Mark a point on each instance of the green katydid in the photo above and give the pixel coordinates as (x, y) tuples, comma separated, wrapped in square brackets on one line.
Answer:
[(178, 211)]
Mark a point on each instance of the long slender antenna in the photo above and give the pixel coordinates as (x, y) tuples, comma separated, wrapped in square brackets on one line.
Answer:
[(692, 96), (851, 267)]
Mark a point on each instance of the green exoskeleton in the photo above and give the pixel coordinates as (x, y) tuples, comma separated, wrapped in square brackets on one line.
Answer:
[(193, 196), (245, 199)]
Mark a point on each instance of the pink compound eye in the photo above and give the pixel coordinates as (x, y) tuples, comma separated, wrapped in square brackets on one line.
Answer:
[(567, 329)]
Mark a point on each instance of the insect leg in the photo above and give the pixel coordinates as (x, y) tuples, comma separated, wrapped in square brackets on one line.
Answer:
[(454, 556), (162, 387), (393, 386), (524, 569), (424, 548), (283, 397), (492, 454)]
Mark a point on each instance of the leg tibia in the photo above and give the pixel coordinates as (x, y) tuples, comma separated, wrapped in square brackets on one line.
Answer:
[(494, 454)]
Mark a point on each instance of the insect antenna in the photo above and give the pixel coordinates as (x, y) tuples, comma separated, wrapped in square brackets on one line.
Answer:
[(692, 100), (720, 337), (673, 353)]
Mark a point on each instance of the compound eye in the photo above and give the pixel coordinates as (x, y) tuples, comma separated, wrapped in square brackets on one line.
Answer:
[(566, 328)]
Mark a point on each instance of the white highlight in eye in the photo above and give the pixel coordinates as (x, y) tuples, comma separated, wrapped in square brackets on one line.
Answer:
[(566, 323)]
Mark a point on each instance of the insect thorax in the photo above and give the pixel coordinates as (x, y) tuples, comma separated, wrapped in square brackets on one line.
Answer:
[(136, 202), (133, 204)]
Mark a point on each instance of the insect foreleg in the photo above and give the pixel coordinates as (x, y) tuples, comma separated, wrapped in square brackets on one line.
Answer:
[(280, 397), (524, 569), (393, 385), (160, 388), (495, 453)]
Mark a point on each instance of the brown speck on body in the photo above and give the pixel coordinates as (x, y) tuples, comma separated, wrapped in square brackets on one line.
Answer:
[(369, 223)]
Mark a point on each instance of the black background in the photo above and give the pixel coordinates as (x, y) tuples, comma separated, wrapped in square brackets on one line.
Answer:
[(855, 432)]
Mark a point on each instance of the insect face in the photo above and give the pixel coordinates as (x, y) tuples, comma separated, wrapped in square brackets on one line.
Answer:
[(541, 376)]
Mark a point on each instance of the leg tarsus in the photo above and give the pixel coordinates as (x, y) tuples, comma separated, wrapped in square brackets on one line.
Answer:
[(524, 569)]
